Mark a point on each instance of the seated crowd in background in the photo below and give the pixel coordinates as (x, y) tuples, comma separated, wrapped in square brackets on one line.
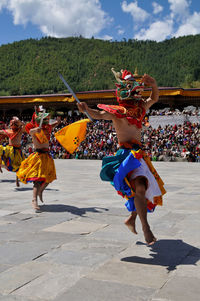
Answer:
[(169, 143)]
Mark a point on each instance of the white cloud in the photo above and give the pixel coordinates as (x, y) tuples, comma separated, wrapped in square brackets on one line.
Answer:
[(157, 8), (3, 3), (60, 18), (187, 24), (190, 27), (179, 8), (120, 31), (106, 38), (178, 23), (138, 14), (158, 31)]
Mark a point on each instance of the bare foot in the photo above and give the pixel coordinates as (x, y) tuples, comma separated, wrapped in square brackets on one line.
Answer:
[(130, 222), (149, 237), (35, 206)]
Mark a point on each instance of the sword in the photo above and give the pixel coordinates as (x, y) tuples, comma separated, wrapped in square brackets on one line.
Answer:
[(74, 95)]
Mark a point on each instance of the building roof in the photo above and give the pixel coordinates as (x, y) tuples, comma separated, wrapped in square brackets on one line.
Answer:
[(100, 94)]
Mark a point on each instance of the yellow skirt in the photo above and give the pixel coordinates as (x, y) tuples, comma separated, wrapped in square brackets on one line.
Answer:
[(11, 157), (38, 167)]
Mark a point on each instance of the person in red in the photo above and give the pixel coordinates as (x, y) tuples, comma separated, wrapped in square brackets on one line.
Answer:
[(39, 167), (11, 154), (2, 138), (130, 171)]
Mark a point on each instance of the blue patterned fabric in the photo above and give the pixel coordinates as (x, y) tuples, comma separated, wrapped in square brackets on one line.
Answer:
[(115, 169)]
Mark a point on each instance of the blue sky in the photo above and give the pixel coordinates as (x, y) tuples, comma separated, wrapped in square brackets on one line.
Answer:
[(104, 19)]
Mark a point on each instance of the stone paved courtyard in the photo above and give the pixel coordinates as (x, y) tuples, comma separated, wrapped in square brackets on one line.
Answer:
[(79, 249)]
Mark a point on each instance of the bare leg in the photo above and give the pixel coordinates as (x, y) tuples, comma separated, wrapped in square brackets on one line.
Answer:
[(40, 192), (141, 208), (36, 187), (130, 222), (17, 182), (0, 165)]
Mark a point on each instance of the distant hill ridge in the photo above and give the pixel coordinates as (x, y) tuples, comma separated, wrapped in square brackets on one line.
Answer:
[(32, 66)]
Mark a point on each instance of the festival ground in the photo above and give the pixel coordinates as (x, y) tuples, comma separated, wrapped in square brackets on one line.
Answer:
[(79, 249)]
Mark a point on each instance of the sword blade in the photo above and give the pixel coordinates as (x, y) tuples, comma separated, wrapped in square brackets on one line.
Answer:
[(73, 94)]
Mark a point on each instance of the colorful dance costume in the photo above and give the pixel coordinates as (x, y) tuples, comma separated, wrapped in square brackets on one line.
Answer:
[(39, 166), (11, 155), (130, 161)]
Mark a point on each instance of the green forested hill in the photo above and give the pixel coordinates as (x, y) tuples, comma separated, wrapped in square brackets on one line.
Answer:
[(31, 66)]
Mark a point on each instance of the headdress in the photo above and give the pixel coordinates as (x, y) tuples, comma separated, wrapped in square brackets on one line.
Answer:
[(36, 118), (129, 96), (39, 116), (128, 89), (15, 124)]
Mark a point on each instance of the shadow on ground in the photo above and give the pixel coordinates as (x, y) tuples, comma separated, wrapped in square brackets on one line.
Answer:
[(169, 253), (31, 188), (71, 209), (7, 181)]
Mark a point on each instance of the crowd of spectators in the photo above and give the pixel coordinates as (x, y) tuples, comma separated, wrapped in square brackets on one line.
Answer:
[(173, 143), (169, 143), (189, 111)]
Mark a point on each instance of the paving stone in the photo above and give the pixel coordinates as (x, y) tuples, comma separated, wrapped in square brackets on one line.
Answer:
[(53, 283), (94, 246), (4, 267), (14, 298), (143, 275), (90, 290), (76, 227), (20, 252), (164, 253), (5, 212), (15, 277), (179, 289), (115, 233), (77, 258)]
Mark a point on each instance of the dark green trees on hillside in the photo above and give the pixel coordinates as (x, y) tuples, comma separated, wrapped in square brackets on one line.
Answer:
[(32, 66)]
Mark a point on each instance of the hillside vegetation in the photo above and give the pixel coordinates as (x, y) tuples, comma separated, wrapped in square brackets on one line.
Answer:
[(32, 66)]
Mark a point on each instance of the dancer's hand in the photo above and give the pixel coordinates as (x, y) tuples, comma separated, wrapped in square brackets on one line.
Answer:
[(83, 107), (148, 80), (37, 130)]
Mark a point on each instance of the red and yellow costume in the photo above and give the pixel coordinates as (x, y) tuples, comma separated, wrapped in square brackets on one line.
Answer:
[(39, 166), (11, 155)]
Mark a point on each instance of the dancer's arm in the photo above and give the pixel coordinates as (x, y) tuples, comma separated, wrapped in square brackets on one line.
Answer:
[(95, 114), (55, 123), (151, 82), (34, 131)]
